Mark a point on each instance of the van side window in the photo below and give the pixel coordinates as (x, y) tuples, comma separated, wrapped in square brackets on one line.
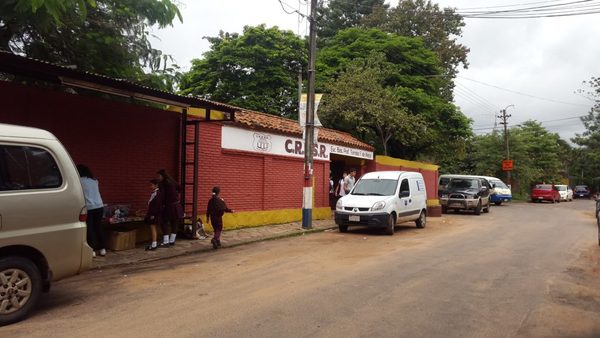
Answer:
[(25, 168), (404, 186)]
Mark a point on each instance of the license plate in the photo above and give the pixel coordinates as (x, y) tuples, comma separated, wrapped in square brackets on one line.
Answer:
[(506, 200), (455, 205), (354, 218), (540, 198)]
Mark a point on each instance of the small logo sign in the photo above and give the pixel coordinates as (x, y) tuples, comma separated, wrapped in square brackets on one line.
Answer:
[(262, 142), (355, 210)]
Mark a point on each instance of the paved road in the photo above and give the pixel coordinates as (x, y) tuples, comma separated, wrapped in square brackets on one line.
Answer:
[(522, 270)]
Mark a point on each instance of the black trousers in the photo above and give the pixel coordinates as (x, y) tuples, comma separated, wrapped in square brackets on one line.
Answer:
[(95, 232)]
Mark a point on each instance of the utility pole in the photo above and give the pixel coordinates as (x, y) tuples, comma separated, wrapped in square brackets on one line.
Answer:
[(504, 117), (307, 193)]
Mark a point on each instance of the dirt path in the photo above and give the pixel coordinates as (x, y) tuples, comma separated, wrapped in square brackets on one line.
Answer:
[(522, 270)]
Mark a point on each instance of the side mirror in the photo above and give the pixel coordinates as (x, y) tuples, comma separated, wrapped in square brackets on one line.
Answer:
[(493, 185), (405, 193)]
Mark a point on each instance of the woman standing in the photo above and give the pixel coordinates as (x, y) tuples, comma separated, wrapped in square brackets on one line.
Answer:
[(172, 210), (214, 215), (95, 210)]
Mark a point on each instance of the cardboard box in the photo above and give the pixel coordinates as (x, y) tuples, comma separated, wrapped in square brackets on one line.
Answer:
[(121, 240)]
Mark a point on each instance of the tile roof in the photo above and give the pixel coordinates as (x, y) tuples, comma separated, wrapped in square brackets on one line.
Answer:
[(273, 123)]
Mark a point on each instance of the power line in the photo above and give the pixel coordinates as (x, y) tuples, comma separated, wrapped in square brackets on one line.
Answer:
[(504, 6), (540, 122), (523, 94), (530, 9)]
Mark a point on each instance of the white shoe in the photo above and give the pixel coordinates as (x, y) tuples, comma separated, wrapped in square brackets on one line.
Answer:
[(103, 252), (94, 254)]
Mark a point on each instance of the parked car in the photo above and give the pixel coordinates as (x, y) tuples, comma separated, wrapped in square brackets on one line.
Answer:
[(581, 191), (384, 199), (566, 193), (42, 218), (545, 192), (500, 191), (466, 192)]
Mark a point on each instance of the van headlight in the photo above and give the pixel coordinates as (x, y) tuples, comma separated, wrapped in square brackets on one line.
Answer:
[(378, 206), (338, 205)]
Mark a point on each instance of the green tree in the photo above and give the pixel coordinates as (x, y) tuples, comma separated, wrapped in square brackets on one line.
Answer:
[(359, 100), (341, 14), (439, 29), (540, 156), (586, 162), (104, 36), (256, 70), (412, 74)]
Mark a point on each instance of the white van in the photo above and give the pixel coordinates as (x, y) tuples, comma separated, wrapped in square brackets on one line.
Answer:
[(42, 218), (384, 199)]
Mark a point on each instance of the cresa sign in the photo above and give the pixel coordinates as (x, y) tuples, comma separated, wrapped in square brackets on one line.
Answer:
[(297, 148), (249, 140)]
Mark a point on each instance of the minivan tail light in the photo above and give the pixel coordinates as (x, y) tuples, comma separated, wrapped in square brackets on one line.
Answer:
[(83, 215)]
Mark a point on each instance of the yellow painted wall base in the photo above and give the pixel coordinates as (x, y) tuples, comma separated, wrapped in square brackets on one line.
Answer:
[(248, 219)]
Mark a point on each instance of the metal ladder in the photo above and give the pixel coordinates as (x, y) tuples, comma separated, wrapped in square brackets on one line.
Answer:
[(189, 171)]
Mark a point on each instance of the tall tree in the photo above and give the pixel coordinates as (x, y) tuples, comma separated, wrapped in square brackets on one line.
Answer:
[(104, 36), (359, 100), (539, 155), (341, 14), (587, 163), (412, 74), (439, 29), (256, 70)]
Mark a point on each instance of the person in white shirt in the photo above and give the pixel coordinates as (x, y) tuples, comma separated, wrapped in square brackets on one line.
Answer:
[(95, 210), (349, 181), (341, 191)]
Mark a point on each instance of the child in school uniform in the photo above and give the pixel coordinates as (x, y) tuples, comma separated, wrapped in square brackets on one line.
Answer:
[(153, 216)]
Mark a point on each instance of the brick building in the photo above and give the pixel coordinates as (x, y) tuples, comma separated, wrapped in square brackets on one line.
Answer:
[(254, 157)]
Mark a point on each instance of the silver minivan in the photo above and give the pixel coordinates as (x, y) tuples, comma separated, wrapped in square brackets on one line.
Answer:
[(42, 218)]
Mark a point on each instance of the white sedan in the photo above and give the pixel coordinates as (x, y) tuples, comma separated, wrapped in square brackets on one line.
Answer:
[(566, 193)]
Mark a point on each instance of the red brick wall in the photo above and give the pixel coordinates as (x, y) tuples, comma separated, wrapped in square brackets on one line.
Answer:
[(123, 144), (253, 181)]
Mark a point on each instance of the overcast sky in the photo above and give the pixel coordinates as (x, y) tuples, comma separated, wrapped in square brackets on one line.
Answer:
[(545, 60)]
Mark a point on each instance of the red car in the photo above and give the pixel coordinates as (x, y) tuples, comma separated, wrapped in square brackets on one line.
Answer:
[(545, 192)]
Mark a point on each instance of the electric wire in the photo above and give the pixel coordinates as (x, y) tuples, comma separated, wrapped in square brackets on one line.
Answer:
[(523, 94)]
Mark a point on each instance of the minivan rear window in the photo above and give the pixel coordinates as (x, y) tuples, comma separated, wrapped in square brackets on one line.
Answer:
[(25, 168)]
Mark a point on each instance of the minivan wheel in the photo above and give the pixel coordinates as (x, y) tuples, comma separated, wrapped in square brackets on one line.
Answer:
[(422, 220), (477, 210), (343, 227), (389, 229), (20, 288), (444, 209), (498, 203)]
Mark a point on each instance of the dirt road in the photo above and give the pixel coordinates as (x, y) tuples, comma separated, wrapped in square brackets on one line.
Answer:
[(522, 270)]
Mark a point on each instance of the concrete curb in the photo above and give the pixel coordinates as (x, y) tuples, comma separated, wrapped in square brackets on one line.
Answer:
[(209, 249)]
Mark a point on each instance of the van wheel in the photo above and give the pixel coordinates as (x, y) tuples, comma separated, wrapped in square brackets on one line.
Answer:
[(343, 227), (477, 210), (389, 229), (422, 220), (444, 209), (20, 288), (498, 203)]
